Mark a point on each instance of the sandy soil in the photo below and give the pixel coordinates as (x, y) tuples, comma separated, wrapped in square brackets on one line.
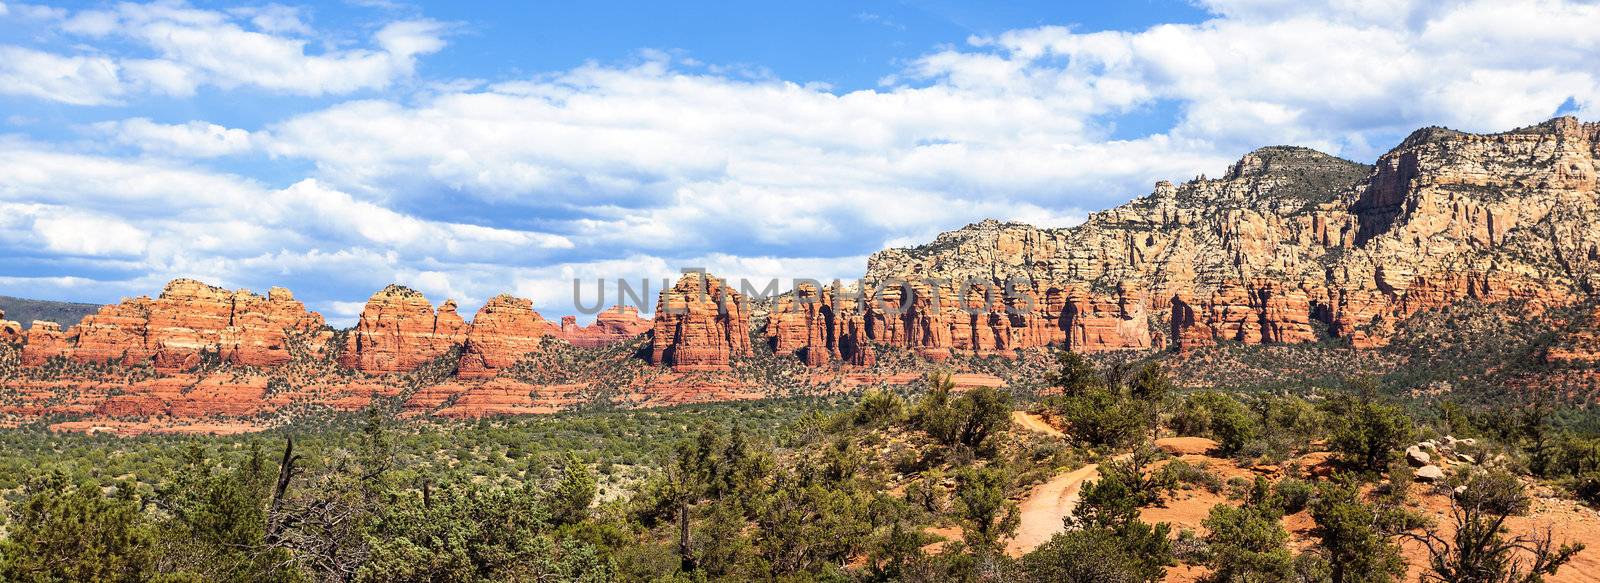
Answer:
[(1186, 445), (1046, 506), (1035, 424)]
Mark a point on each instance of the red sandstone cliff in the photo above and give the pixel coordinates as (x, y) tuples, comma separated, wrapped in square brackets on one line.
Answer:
[(613, 325), (399, 331), (700, 324), (1287, 243), (504, 329), (175, 331)]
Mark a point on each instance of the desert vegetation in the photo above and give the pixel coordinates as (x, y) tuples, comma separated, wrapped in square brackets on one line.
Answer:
[(924, 482)]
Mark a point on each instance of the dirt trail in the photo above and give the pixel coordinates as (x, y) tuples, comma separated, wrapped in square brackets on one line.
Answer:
[(1045, 507), (1048, 505), (1033, 423)]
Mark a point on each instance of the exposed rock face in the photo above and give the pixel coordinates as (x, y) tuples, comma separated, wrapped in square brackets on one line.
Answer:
[(613, 325), (504, 329), (191, 323), (821, 326), (700, 324), (1291, 243), (176, 330), (399, 330), (43, 341)]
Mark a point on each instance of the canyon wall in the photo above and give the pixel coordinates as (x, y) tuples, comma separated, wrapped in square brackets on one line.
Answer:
[(1289, 246), (700, 324)]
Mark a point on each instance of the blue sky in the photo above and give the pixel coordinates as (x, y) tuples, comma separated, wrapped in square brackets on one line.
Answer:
[(470, 149)]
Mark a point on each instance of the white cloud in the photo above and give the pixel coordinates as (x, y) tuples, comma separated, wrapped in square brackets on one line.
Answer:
[(83, 80), (276, 19), (656, 159), (192, 47), (167, 220), (195, 139), (468, 188), (1269, 71), (81, 234)]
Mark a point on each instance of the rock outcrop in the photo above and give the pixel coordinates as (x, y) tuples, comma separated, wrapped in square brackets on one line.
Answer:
[(400, 330), (504, 329), (44, 341), (615, 324), (700, 324), (1292, 245), (188, 323), (821, 326)]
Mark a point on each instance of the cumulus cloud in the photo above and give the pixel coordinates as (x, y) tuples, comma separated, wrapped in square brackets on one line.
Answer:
[(163, 219), (1330, 74), (81, 234), (191, 47), (465, 188), (76, 80), (659, 158), (195, 139)]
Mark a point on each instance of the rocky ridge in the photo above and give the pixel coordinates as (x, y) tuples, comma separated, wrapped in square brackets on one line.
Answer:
[(1289, 246), (191, 324)]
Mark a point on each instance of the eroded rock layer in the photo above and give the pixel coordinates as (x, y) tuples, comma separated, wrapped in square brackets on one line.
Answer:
[(612, 325), (189, 322), (1289, 246), (504, 329), (399, 331), (700, 324), (1292, 244)]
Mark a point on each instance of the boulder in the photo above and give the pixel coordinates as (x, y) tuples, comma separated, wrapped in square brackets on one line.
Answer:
[(1416, 457), (1428, 474)]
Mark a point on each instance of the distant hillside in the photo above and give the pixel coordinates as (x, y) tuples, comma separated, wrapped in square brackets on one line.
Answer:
[(26, 311)]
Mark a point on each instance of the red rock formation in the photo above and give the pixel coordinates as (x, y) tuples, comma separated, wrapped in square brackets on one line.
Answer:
[(615, 324), (700, 324), (1262, 311), (43, 341), (189, 320), (943, 318), (1287, 238), (504, 329), (259, 332), (116, 333), (399, 331)]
